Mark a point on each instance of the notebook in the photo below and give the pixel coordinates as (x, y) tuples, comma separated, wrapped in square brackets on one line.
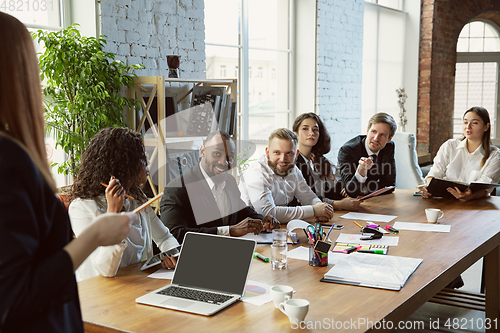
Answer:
[(211, 274), (368, 270)]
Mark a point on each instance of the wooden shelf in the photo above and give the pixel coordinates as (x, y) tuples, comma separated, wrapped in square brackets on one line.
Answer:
[(154, 86)]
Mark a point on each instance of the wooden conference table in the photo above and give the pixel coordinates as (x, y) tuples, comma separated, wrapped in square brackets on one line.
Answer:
[(108, 304)]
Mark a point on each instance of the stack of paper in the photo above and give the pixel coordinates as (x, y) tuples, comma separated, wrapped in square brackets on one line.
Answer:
[(368, 270)]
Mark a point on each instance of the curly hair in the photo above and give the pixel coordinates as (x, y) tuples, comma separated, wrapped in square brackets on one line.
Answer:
[(323, 145), (115, 152)]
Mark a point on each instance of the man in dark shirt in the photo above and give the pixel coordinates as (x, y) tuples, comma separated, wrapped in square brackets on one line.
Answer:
[(206, 197), (367, 162)]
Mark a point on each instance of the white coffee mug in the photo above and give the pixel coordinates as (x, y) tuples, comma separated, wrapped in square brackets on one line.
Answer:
[(295, 309), (433, 214), (279, 294)]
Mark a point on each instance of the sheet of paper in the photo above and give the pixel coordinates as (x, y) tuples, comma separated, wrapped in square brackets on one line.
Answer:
[(262, 238), (296, 224), (369, 217), (351, 238), (302, 253), (257, 293), (422, 226), (162, 273)]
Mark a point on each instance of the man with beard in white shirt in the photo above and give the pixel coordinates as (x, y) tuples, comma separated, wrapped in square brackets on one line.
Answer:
[(274, 186)]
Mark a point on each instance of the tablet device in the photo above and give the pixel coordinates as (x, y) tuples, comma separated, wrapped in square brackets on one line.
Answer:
[(156, 259)]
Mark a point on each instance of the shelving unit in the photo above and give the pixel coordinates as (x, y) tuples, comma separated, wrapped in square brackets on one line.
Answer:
[(156, 86)]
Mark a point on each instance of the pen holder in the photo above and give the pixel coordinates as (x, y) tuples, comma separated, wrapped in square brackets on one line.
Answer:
[(317, 259)]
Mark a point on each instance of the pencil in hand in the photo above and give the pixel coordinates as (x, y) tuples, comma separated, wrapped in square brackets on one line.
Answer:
[(149, 202), (128, 196)]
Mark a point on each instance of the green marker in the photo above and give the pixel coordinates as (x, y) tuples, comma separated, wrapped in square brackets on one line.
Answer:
[(260, 256)]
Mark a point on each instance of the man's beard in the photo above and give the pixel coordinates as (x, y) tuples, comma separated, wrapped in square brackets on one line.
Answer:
[(283, 173)]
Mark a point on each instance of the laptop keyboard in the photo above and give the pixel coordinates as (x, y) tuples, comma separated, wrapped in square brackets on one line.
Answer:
[(196, 295)]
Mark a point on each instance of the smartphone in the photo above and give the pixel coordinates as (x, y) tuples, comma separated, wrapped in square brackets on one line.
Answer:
[(156, 259)]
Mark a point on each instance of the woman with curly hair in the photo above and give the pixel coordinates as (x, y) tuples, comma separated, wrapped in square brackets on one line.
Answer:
[(314, 142), (117, 156)]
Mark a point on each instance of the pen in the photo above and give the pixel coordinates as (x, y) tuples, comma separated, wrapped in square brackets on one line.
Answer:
[(358, 224), (391, 229), (349, 250), (328, 234), (260, 256), (149, 202), (128, 196), (372, 251)]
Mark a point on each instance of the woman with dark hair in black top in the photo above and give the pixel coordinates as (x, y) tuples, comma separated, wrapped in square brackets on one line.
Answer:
[(318, 171)]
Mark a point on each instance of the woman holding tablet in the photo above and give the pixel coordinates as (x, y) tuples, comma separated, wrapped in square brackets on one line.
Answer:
[(117, 156), (314, 142), (471, 158), (38, 255)]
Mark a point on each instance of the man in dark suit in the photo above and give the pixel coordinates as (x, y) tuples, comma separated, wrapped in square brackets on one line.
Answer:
[(367, 162), (206, 197)]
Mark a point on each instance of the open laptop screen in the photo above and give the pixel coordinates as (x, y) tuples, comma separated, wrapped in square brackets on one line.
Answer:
[(214, 262)]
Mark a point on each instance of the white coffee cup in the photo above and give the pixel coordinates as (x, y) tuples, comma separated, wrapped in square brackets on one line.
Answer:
[(295, 309), (279, 294), (433, 214)]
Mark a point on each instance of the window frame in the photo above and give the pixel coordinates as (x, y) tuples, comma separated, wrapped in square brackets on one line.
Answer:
[(244, 72), (481, 57)]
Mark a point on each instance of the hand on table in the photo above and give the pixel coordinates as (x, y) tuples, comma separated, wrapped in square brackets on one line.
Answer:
[(270, 223), (246, 226), (347, 204), (323, 210), (168, 262), (425, 193)]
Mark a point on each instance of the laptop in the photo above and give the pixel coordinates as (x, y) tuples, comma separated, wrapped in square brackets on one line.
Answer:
[(211, 274)]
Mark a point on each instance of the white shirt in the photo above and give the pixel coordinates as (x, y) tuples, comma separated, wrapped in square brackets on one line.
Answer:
[(220, 196), (269, 193), (454, 162), (106, 260)]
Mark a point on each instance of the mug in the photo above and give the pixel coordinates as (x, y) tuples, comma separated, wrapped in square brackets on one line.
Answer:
[(295, 309), (433, 214), (279, 294)]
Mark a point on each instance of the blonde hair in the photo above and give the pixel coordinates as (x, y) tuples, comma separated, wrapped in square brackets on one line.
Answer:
[(283, 134), (21, 108)]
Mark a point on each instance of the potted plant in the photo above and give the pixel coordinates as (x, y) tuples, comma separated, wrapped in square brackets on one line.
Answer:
[(81, 90)]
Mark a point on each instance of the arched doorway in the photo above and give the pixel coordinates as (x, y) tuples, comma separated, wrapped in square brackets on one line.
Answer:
[(477, 74)]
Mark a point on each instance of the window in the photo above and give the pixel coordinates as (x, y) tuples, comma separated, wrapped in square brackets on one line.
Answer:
[(241, 34), (222, 72), (35, 14), (259, 72), (383, 59), (477, 74), (45, 15)]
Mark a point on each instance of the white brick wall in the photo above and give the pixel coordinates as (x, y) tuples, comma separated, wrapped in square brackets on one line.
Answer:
[(145, 32), (340, 55)]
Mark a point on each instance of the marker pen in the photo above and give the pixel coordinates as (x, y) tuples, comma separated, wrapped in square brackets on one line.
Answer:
[(372, 251), (260, 256), (391, 229), (348, 250)]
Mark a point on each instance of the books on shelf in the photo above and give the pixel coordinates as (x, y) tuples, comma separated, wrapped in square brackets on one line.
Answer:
[(376, 271), (437, 187), (224, 110)]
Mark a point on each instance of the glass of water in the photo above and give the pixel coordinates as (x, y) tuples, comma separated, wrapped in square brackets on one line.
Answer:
[(279, 249)]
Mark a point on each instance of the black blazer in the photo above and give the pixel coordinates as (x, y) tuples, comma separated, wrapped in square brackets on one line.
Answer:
[(192, 190), (38, 291), (331, 189), (382, 174)]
